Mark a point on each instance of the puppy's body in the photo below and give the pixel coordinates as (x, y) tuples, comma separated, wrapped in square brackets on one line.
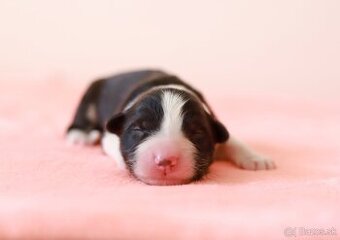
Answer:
[(109, 96), (157, 126)]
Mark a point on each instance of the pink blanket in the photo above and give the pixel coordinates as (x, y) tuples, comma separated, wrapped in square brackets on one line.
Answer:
[(51, 191)]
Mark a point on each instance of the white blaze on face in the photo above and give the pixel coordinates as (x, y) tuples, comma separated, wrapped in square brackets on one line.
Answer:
[(169, 141), (172, 105)]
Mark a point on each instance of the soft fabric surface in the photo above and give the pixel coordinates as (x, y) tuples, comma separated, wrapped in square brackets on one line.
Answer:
[(51, 191)]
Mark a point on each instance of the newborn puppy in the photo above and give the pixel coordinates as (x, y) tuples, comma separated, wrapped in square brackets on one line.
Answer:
[(158, 127)]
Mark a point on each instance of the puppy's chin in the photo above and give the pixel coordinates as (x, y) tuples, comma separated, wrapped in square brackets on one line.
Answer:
[(163, 181), (152, 175)]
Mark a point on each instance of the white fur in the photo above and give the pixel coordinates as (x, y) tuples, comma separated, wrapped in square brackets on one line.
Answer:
[(169, 140), (77, 136), (241, 155), (111, 147), (169, 86), (172, 105), (91, 113)]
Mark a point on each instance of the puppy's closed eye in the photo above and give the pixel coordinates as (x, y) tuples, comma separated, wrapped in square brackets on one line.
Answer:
[(137, 133), (141, 129)]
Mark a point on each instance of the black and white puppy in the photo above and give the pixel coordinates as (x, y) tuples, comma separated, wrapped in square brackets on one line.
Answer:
[(158, 127)]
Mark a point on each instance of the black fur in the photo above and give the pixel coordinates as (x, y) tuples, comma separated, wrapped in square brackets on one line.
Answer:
[(91, 96), (136, 124)]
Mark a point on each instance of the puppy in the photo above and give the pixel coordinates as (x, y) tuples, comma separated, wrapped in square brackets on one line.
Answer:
[(158, 127)]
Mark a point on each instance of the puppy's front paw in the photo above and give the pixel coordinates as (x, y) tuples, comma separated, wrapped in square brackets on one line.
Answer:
[(79, 137), (255, 162)]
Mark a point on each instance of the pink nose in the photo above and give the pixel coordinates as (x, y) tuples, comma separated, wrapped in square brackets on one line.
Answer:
[(166, 163)]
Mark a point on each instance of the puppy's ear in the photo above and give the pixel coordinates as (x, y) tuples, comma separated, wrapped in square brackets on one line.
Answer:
[(219, 131), (115, 124)]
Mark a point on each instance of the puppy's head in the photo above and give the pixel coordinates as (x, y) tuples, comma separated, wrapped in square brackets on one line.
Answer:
[(167, 137)]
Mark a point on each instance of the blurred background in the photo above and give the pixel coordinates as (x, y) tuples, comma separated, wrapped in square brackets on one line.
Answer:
[(289, 47)]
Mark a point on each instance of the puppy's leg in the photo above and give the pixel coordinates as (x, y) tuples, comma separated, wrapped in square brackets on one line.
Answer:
[(85, 128), (242, 156), (111, 147)]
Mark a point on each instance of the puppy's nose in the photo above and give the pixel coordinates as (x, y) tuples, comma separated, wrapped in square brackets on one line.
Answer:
[(166, 163)]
